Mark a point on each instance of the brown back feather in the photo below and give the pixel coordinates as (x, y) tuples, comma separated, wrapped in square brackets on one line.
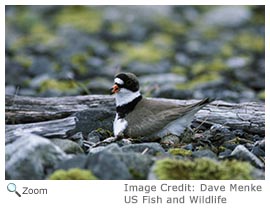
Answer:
[(150, 116)]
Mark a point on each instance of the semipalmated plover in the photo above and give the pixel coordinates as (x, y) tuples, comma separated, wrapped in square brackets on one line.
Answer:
[(137, 116)]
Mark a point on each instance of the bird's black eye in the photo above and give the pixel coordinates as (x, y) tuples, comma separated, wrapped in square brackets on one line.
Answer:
[(129, 82)]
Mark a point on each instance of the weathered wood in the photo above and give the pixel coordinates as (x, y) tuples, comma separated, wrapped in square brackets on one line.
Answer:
[(20, 109), (247, 116), (54, 128)]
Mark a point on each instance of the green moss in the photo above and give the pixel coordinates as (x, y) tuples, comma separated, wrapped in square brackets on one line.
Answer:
[(136, 175), (261, 95), (81, 17), (179, 151), (203, 168), (171, 26), (37, 35), (23, 60), (204, 78), (204, 72), (117, 28), (234, 141), (198, 68), (187, 136), (221, 149), (250, 42), (24, 20), (32, 29), (79, 63), (155, 49), (144, 52), (215, 65), (65, 86), (72, 174), (41, 33), (227, 50), (162, 40), (211, 33), (104, 132), (57, 67), (258, 16), (178, 70)]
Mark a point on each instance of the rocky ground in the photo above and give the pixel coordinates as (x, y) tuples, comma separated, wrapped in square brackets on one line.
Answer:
[(184, 52)]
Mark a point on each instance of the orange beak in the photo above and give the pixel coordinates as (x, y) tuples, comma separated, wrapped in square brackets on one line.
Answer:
[(114, 89)]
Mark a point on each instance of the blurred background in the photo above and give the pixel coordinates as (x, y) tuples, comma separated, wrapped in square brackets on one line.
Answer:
[(180, 52)]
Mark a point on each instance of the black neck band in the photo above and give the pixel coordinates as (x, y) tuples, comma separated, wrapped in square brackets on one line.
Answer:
[(123, 110)]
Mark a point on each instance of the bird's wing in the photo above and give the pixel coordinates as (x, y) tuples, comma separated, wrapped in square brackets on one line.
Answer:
[(145, 123), (155, 116)]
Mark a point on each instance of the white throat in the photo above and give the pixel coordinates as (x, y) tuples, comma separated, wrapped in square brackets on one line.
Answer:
[(125, 96)]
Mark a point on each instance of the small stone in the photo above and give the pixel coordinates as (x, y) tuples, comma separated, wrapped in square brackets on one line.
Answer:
[(258, 152), (147, 148), (107, 165), (227, 16), (182, 59), (77, 161), (230, 145), (259, 148), (124, 142), (67, 146), (170, 140), (96, 137), (138, 165), (188, 147), (140, 68), (237, 62), (99, 85), (10, 90), (95, 62), (225, 153), (27, 92), (161, 79), (170, 92), (204, 153), (94, 119), (37, 81), (220, 134), (93, 137), (40, 65), (114, 148), (96, 149), (78, 138), (242, 153), (258, 174), (31, 157)]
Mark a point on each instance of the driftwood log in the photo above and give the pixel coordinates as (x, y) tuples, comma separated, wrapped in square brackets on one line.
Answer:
[(21, 109), (51, 117)]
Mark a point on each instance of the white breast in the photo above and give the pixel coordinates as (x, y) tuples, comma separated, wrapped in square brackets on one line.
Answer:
[(119, 125), (125, 96)]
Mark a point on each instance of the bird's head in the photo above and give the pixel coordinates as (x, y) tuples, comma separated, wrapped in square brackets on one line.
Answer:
[(125, 83)]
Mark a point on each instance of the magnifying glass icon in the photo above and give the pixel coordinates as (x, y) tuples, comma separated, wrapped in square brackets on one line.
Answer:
[(11, 187)]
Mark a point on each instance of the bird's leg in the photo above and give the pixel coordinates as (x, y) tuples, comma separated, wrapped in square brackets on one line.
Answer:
[(109, 140)]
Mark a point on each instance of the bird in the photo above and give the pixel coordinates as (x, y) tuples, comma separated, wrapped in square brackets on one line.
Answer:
[(138, 116)]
